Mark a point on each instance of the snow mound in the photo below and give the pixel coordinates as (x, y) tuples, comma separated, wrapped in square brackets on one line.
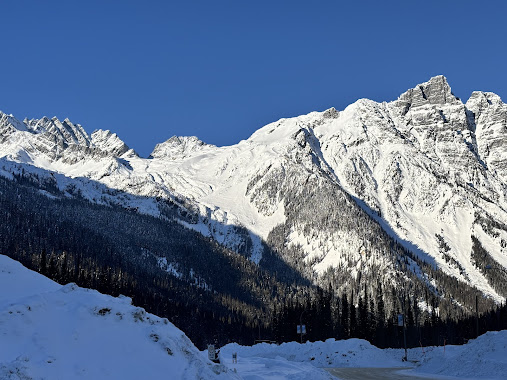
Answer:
[(51, 331), (482, 358), (331, 353)]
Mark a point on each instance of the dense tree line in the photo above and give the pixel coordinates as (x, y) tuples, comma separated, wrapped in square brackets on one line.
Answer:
[(328, 315)]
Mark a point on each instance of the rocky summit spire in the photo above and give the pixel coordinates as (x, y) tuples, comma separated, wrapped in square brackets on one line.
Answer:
[(435, 91)]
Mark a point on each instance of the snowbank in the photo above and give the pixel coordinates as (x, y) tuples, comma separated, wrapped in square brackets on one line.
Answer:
[(303, 361), (331, 353), (51, 331), (17, 282), (482, 358)]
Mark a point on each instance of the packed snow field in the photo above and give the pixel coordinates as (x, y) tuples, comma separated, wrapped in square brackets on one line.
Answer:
[(50, 331)]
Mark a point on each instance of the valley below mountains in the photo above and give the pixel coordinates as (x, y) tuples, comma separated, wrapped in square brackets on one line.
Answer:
[(376, 209)]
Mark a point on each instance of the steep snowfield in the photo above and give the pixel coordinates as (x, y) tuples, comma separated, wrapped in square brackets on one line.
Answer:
[(428, 167), (51, 331)]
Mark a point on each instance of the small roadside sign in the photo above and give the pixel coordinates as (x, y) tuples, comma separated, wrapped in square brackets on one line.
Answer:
[(400, 320), (211, 352), (301, 329)]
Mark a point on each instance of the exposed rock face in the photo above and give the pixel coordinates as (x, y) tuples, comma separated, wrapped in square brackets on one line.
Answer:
[(55, 140), (9, 125), (489, 115), (436, 91), (64, 131), (109, 142)]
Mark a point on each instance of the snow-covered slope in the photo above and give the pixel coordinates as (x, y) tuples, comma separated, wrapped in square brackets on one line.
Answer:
[(51, 331), (429, 168)]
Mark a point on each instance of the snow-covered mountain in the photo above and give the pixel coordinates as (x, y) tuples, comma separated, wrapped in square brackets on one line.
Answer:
[(50, 331), (427, 168)]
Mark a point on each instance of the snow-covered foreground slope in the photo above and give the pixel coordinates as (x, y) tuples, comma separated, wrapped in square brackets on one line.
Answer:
[(482, 358), (49, 331)]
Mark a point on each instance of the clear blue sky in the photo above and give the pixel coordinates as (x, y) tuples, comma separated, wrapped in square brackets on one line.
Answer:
[(220, 70)]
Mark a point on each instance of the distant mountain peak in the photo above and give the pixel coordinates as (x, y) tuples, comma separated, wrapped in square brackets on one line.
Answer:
[(179, 147), (425, 166), (108, 141)]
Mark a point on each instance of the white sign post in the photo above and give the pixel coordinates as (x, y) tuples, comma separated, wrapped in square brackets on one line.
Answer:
[(301, 329), (401, 323)]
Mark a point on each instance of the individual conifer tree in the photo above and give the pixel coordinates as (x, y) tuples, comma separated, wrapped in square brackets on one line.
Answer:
[(345, 317), (353, 317), (43, 263)]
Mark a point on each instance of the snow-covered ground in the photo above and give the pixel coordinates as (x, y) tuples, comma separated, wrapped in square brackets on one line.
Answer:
[(303, 361), (482, 358), (49, 331)]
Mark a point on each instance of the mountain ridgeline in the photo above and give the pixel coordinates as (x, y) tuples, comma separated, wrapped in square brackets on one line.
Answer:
[(348, 217)]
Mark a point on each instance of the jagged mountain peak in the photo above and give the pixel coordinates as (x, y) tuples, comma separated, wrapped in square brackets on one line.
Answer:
[(50, 140), (178, 147), (8, 123), (482, 100), (108, 141), (65, 130), (436, 91)]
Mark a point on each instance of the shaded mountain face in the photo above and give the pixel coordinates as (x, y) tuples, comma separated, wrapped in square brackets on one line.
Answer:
[(330, 192)]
